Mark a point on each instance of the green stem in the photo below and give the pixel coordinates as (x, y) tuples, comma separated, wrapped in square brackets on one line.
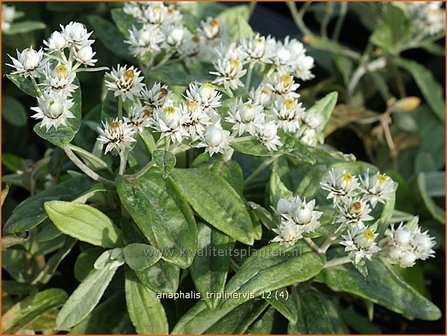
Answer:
[(120, 108), (314, 246), (337, 261), (36, 87), (259, 170), (90, 173), (340, 20), (331, 238), (123, 162), (249, 75), (298, 16), (141, 172), (251, 8)]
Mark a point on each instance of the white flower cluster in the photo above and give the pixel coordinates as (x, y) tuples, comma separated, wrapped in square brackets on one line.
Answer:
[(353, 199), (161, 29), (298, 218), (428, 17), (273, 104), (53, 71), (406, 244), (8, 16), (193, 121)]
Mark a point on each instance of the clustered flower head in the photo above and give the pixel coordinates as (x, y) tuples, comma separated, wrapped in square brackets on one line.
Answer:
[(406, 244), (428, 17), (8, 15), (273, 105), (298, 218), (161, 30), (52, 70)]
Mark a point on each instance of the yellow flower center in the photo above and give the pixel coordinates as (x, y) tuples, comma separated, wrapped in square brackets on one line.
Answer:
[(214, 23), (286, 80), (61, 70), (368, 234), (157, 9), (249, 106), (169, 110), (192, 105), (163, 92), (357, 207), (347, 178), (290, 103), (147, 112), (259, 40), (208, 87), (115, 124), (196, 39), (129, 75), (234, 63), (381, 179)]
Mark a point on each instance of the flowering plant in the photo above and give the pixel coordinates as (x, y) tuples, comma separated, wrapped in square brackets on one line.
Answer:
[(202, 174)]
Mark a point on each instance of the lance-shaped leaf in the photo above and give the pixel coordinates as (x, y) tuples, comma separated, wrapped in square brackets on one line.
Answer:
[(83, 222), (162, 214), (162, 277), (216, 202), (272, 267), (164, 160), (31, 212), (383, 286), (145, 310), (324, 107), (210, 267), (141, 256)]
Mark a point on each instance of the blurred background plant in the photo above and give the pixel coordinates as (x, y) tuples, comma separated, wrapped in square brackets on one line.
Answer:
[(386, 60)]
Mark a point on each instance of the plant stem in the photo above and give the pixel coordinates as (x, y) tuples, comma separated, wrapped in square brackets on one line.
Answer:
[(36, 87), (340, 20), (120, 108), (259, 170), (330, 240), (314, 246), (140, 173), (123, 162), (90, 173), (375, 65), (249, 75), (337, 261), (298, 16), (251, 8)]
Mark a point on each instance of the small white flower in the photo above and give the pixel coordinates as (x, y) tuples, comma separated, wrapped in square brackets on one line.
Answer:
[(56, 42), (124, 82), (133, 9), (76, 35), (360, 243), (283, 85), (27, 62), (205, 95), (266, 133), (190, 47), (404, 245), (156, 96), (210, 28), (302, 67), (173, 35), (197, 120), (138, 118), (85, 56), (117, 136), (262, 96), (301, 213), (146, 40), (377, 188), (353, 212), (340, 186), (215, 139), (53, 110), (168, 120), (59, 78), (245, 117), (288, 233), (259, 49), (288, 114), (155, 13), (8, 16)]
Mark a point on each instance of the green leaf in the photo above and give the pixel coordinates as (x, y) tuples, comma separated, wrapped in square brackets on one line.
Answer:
[(110, 37), (430, 88), (162, 215), (165, 161), (64, 134), (90, 159), (162, 277), (85, 262), (264, 325), (31, 212), (317, 313), (272, 267), (14, 112), (124, 22), (23, 84), (210, 267), (24, 27), (324, 107), (141, 256), (86, 296), (49, 231), (284, 303), (144, 307), (251, 147), (29, 309), (236, 21), (435, 210), (383, 286), (277, 189), (83, 222), (216, 202), (359, 323)]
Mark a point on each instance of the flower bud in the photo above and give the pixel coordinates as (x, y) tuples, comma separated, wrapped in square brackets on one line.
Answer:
[(214, 136), (407, 259), (283, 206), (402, 237)]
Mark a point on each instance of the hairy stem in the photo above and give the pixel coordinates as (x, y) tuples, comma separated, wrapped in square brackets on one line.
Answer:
[(140, 173), (312, 245), (337, 261)]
